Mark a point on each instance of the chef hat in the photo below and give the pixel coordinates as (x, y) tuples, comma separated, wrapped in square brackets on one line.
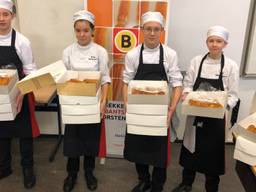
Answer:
[(218, 31), (83, 15), (6, 4), (153, 16)]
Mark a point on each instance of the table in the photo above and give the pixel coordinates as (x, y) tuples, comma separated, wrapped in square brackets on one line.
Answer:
[(47, 100)]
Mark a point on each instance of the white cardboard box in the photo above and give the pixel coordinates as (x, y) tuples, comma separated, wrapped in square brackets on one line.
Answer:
[(80, 119), (245, 151), (146, 120), (145, 109), (80, 100), (240, 128), (8, 98), (14, 78), (221, 96), (150, 131), (80, 109), (78, 88), (10, 115), (57, 73), (148, 99)]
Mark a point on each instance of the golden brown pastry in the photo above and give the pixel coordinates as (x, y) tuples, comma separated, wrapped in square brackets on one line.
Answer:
[(5, 80), (83, 81), (148, 91), (252, 128), (197, 103)]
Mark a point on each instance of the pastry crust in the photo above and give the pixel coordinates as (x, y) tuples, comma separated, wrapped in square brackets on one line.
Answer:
[(208, 104), (148, 91), (83, 81), (5, 80), (252, 128)]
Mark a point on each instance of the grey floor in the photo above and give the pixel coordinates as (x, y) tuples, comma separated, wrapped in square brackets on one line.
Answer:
[(117, 175)]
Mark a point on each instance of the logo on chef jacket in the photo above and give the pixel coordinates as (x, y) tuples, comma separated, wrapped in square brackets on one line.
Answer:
[(125, 39)]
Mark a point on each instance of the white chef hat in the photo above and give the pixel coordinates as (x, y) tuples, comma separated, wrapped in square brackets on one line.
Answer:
[(152, 16), (6, 4), (219, 31), (83, 15)]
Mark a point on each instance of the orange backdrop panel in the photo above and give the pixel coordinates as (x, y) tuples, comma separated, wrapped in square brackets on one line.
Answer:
[(102, 11)]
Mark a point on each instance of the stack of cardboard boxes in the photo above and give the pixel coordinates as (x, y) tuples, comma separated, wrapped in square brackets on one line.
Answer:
[(8, 95)]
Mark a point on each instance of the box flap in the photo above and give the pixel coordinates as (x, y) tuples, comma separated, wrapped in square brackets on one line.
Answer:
[(146, 120), (41, 78), (246, 146)]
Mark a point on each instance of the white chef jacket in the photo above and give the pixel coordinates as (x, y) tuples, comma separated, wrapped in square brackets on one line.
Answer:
[(91, 57), (152, 56), (23, 49), (211, 70)]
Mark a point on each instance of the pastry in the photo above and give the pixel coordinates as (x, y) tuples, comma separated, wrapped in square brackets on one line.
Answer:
[(210, 104), (4, 80), (252, 128), (148, 91)]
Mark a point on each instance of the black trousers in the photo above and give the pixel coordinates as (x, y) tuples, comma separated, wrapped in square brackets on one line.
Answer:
[(26, 151), (158, 175), (73, 164), (211, 181)]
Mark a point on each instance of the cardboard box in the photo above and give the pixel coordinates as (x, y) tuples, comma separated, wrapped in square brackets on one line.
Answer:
[(245, 151), (80, 100), (78, 88), (240, 128), (146, 130), (42, 77), (9, 112), (80, 119), (146, 120), (14, 78), (147, 109), (57, 73), (80, 109), (221, 96), (148, 99), (8, 98)]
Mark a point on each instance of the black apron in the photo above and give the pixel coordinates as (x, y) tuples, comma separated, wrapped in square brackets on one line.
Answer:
[(21, 126), (209, 155), (151, 150)]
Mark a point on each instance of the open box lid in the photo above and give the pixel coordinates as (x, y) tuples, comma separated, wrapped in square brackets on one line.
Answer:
[(42, 77), (253, 106)]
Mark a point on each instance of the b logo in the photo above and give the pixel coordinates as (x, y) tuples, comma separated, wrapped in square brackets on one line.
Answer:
[(125, 40)]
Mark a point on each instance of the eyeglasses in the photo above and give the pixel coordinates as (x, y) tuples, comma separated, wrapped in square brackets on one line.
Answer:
[(152, 29)]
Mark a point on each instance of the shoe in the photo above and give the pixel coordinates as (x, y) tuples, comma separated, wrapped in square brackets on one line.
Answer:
[(5, 173), (142, 186), (29, 178), (69, 183), (91, 180), (182, 188)]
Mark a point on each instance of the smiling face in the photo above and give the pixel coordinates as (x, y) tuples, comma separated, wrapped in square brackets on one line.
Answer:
[(84, 32), (152, 32), (5, 21), (215, 45)]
